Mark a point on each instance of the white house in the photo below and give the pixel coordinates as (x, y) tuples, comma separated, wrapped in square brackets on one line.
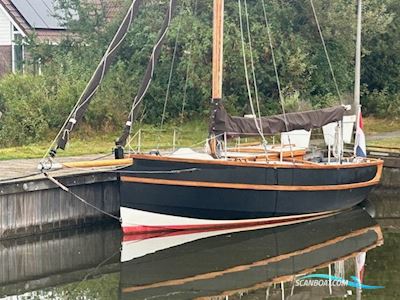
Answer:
[(19, 18)]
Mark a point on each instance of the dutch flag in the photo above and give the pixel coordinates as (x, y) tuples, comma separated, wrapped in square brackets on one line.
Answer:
[(359, 145), (360, 264)]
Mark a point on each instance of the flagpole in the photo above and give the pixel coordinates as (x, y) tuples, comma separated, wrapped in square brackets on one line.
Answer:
[(358, 57), (357, 79), (359, 264)]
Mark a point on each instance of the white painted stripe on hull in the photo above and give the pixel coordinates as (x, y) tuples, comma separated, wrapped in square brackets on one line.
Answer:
[(135, 217), (138, 248)]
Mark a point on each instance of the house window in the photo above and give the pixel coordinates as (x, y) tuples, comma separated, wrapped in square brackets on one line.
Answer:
[(18, 52)]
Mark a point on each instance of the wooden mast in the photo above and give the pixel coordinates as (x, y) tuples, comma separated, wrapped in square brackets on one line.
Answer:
[(217, 68), (218, 42)]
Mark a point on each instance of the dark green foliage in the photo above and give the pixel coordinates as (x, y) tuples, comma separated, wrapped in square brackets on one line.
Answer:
[(381, 65), (33, 105), (22, 99)]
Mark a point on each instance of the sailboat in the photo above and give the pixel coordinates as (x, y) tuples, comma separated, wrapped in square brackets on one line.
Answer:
[(204, 191), (191, 190)]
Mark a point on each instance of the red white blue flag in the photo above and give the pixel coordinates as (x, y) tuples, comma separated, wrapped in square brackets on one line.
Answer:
[(360, 148), (360, 264)]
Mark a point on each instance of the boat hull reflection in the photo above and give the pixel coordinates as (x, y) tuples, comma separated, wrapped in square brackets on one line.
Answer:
[(219, 263)]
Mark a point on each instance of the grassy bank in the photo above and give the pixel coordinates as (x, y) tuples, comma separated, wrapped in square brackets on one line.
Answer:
[(382, 132), (189, 134), (390, 142), (374, 125)]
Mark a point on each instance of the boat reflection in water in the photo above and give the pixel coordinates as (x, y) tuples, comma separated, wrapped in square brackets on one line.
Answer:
[(217, 264), (85, 263)]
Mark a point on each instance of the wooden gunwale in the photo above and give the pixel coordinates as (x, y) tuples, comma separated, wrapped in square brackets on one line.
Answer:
[(257, 187), (372, 162), (264, 262)]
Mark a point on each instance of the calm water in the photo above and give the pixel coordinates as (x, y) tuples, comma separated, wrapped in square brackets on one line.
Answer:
[(98, 263)]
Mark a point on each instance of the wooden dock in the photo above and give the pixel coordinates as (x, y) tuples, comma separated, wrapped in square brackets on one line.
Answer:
[(30, 203), (57, 258)]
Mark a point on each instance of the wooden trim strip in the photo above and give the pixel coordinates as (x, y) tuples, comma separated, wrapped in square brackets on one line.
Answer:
[(287, 278), (257, 187), (263, 262), (371, 162)]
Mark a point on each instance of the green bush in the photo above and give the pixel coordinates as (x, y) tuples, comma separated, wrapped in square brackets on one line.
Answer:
[(33, 105), (22, 99), (382, 103)]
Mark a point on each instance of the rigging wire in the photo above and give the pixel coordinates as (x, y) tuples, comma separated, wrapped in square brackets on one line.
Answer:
[(278, 82), (247, 75), (326, 52), (169, 84), (188, 71), (252, 64), (170, 76)]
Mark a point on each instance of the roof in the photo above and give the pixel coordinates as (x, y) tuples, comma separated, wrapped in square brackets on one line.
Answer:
[(40, 16), (112, 7)]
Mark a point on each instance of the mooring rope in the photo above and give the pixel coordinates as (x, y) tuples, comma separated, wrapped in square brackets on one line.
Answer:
[(94, 271), (10, 180), (67, 190)]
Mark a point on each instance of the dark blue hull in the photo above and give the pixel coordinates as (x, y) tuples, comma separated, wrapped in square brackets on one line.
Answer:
[(227, 191)]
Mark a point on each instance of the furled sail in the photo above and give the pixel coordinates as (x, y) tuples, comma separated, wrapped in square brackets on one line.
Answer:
[(148, 76), (239, 126), (93, 85)]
